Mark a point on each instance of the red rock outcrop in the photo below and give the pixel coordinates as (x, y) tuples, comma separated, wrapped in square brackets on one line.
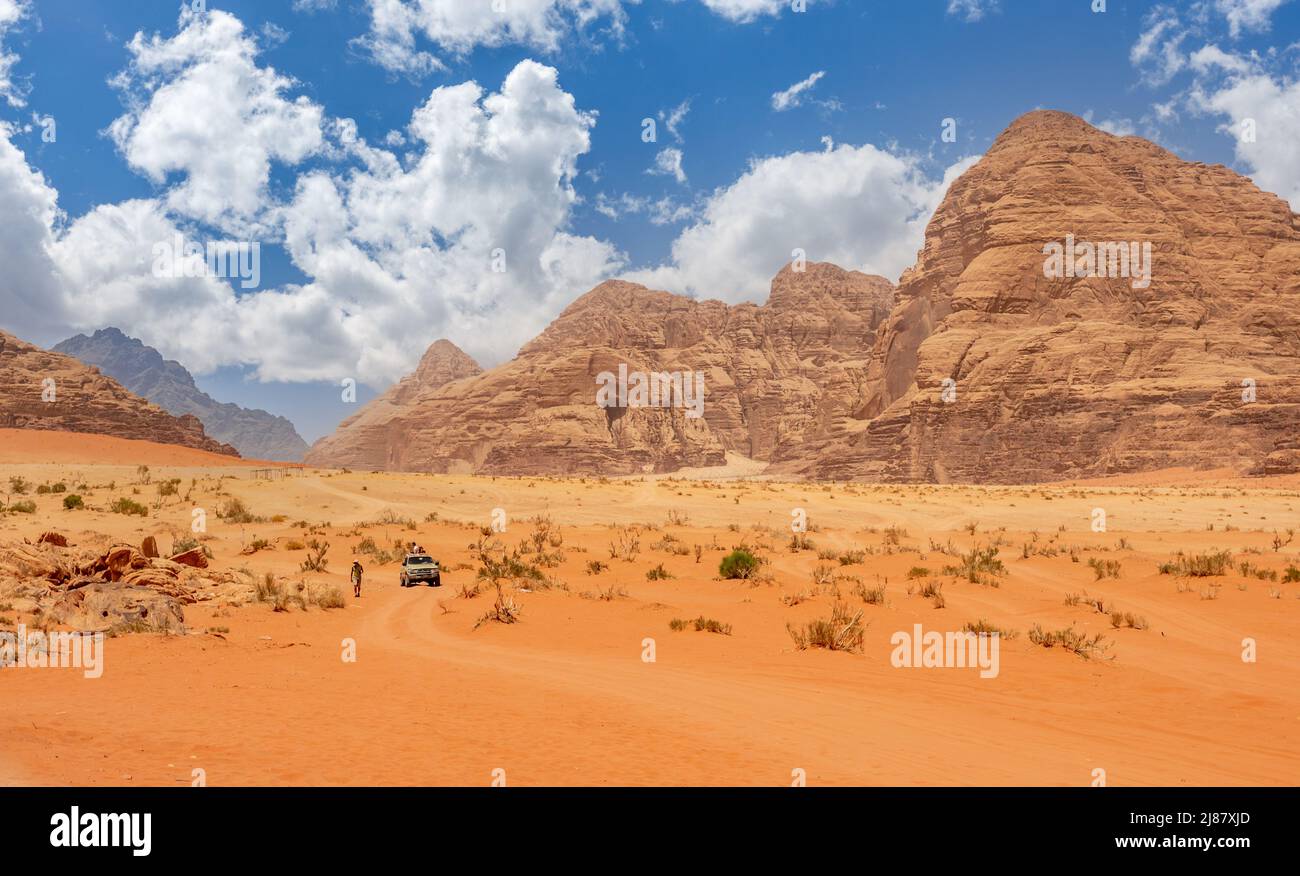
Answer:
[(775, 376), (45, 390), (1085, 376)]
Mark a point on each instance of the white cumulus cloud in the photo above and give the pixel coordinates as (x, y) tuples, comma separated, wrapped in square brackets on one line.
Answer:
[(858, 206), (11, 13), (745, 10), (1248, 15), (972, 10), (1263, 116), (793, 96), (466, 236), (669, 163), (201, 107)]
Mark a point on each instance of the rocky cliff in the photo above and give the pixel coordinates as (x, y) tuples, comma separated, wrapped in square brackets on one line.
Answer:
[(1083, 305), (1054, 376), (774, 377), (46, 390), (254, 433)]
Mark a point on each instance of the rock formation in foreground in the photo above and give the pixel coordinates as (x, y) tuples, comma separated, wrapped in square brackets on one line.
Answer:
[(46, 390), (982, 368), (256, 434), (1085, 376), (775, 377)]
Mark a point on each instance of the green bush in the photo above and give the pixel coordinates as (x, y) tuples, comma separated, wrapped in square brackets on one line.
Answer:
[(125, 505), (72, 502), (1203, 565), (738, 564)]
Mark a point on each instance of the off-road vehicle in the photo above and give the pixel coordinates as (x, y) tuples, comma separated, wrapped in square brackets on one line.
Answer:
[(420, 569)]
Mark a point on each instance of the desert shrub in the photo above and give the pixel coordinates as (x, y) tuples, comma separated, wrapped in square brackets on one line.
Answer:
[(823, 574), (504, 610), (189, 543), (677, 624), (658, 573), (842, 631), (316, 560), (625, 546), (18, 486), (1292, 575), (508, 565), (930, 589), (1070, 639), (1085, 599), (671, 544), (1250, 570), (800, 542), (270, 591), (294, 544), (978, 566), (709, 625), (125, 505), (852, 558), (234, 510), (738, 564), (392, 518), (72, 502), (982, 627), (917, 572), (608, 594), (1127, 619), (870, 595), (1202, 565), (329, 597), (1104, 568), (169, 487), (595, 567), (24, 507)]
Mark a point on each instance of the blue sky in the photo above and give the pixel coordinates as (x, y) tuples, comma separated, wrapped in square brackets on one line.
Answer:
[(375, 238)]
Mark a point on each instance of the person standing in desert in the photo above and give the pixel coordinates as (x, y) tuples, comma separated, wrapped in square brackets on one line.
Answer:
[(356, 578)]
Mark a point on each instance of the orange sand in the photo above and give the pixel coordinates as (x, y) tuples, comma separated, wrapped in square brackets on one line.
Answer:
[(564, 697), (34, 445)]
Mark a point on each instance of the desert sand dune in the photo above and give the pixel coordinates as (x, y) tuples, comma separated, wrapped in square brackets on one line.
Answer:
[(255, 696)]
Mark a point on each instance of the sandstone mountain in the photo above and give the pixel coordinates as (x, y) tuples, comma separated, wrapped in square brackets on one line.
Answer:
[(254, 433), (775, 377), (377, 435), (46, 390), (980, 367), (1065, 377)]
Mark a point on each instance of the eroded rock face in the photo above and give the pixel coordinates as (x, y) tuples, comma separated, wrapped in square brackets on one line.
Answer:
[(376, 436), (983, 369), (775, 376), (256, 434), (84, 400), (1085, 376)]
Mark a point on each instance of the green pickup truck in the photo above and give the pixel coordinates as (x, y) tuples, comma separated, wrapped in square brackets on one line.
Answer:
[(420, 569)]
